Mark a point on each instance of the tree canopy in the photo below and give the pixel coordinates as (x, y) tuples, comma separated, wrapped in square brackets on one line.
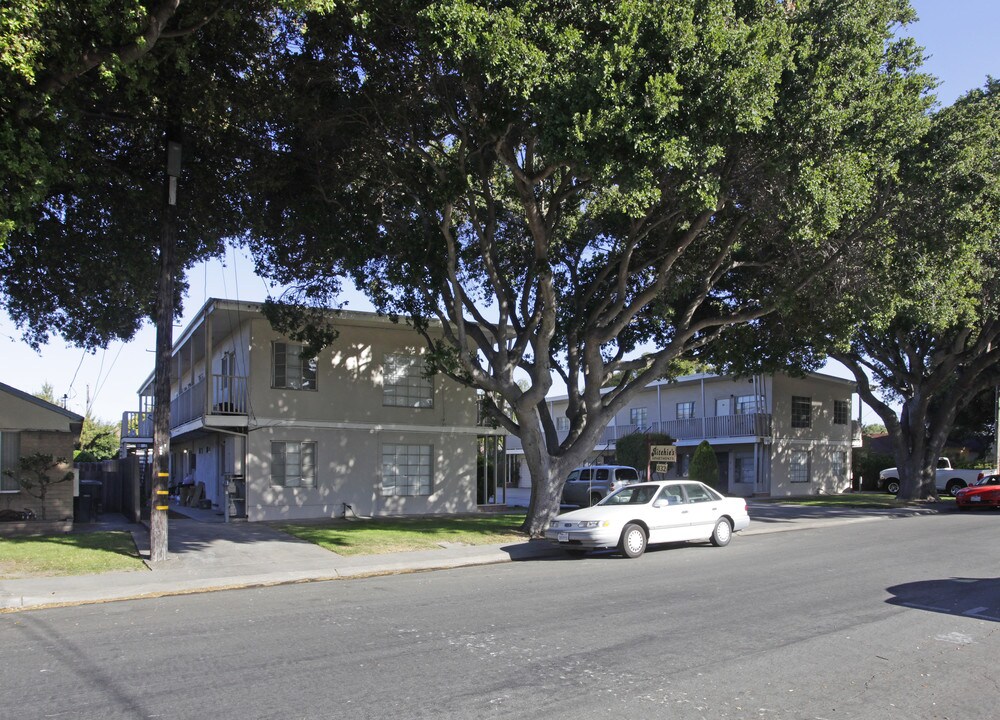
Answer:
[(88, 93), (934, 346), (560, 186)]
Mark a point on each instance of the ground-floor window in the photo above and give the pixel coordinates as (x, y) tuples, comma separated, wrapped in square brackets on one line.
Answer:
[(293, 464), (839, 464), (406, 470), (799, 466), (743, 468)]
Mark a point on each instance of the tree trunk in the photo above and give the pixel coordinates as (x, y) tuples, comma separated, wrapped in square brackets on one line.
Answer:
[(548, 472)]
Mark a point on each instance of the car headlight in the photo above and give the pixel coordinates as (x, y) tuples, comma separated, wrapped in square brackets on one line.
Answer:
[(594, 523)]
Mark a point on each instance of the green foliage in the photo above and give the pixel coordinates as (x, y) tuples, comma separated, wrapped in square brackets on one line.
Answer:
[(47, 393), (633, 449), (936, 347), (705, 466), (608, 177), (866, 465), (99, 440)]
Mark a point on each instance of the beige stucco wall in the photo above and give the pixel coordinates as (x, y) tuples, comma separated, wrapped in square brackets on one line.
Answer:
[(349, 381), (821, 441), (348, 470), (346, 418)]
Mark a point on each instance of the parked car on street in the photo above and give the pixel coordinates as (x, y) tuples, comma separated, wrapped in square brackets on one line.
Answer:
[(585, 486), (648, 513), (948, 479), (984, 493)]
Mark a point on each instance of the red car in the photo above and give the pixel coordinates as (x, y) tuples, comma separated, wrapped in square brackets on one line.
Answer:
[(985, 492)]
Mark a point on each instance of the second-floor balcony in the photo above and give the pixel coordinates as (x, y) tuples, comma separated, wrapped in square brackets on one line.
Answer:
[(228, 397), (750, 425)]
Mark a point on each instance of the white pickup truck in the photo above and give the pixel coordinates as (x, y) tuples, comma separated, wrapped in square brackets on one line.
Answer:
[(949, 479)]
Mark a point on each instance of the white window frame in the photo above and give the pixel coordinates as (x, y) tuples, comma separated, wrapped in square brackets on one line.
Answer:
[(298, 375), (562, 424), (685, 410), (841, 412), (404, 382), (407, 469), (800, 466), (638, 416), (305, 477), (745, 405)]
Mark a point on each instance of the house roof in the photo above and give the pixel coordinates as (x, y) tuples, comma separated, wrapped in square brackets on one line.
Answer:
[(44, 404)]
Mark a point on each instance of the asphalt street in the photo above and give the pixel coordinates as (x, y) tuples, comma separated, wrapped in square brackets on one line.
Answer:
[(890, 619)]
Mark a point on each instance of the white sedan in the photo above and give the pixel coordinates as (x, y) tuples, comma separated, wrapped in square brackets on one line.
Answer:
[(648, 513)]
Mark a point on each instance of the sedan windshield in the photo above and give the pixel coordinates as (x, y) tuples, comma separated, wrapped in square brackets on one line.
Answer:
[(988, 480), (632, 495)]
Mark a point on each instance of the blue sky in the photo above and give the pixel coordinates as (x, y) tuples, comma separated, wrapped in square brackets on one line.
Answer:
[(960, 37)]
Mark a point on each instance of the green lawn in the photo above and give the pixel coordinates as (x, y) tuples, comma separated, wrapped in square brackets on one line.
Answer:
[(71, 554), (371, 537), (871, 500)]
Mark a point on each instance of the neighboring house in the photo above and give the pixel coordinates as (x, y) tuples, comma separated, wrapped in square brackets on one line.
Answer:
[(30, 425), (357, 430), (774, 435)]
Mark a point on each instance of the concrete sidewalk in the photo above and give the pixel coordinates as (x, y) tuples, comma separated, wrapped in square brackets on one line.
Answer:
[(207, 555)]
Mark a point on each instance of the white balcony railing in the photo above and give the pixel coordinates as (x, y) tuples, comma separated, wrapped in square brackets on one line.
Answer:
[(229, 397), (752, 425), (137, 425)]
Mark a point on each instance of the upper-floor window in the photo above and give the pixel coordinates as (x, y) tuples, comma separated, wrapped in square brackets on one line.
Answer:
[(801, 412), (405, 383), (562, 424), (293, 464), (841, 412), (685, 410), (289, 369), (746, 404), (638, 417), (10, 451)]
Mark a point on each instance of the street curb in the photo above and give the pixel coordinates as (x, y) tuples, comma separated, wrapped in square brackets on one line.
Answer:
[(398, 566)]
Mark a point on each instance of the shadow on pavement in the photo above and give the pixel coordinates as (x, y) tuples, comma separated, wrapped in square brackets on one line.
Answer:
[(968, 597)]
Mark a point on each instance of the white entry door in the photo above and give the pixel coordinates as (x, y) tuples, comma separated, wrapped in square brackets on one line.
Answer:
[(722, 407)]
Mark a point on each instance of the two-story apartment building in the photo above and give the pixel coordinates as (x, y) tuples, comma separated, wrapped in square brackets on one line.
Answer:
[(774, 435), (359, 429)]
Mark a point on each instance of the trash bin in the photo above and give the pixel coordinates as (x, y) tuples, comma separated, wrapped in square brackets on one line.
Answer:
[(90, 508), (83, 509)]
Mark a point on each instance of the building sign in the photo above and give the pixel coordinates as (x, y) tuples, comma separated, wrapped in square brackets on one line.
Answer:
[(662, 454)]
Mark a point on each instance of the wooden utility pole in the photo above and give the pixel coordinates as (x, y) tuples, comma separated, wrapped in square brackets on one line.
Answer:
[(164, 345)]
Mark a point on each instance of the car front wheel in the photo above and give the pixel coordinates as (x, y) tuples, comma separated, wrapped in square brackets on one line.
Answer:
[(892, 487), (633, 542), (722, 534)]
